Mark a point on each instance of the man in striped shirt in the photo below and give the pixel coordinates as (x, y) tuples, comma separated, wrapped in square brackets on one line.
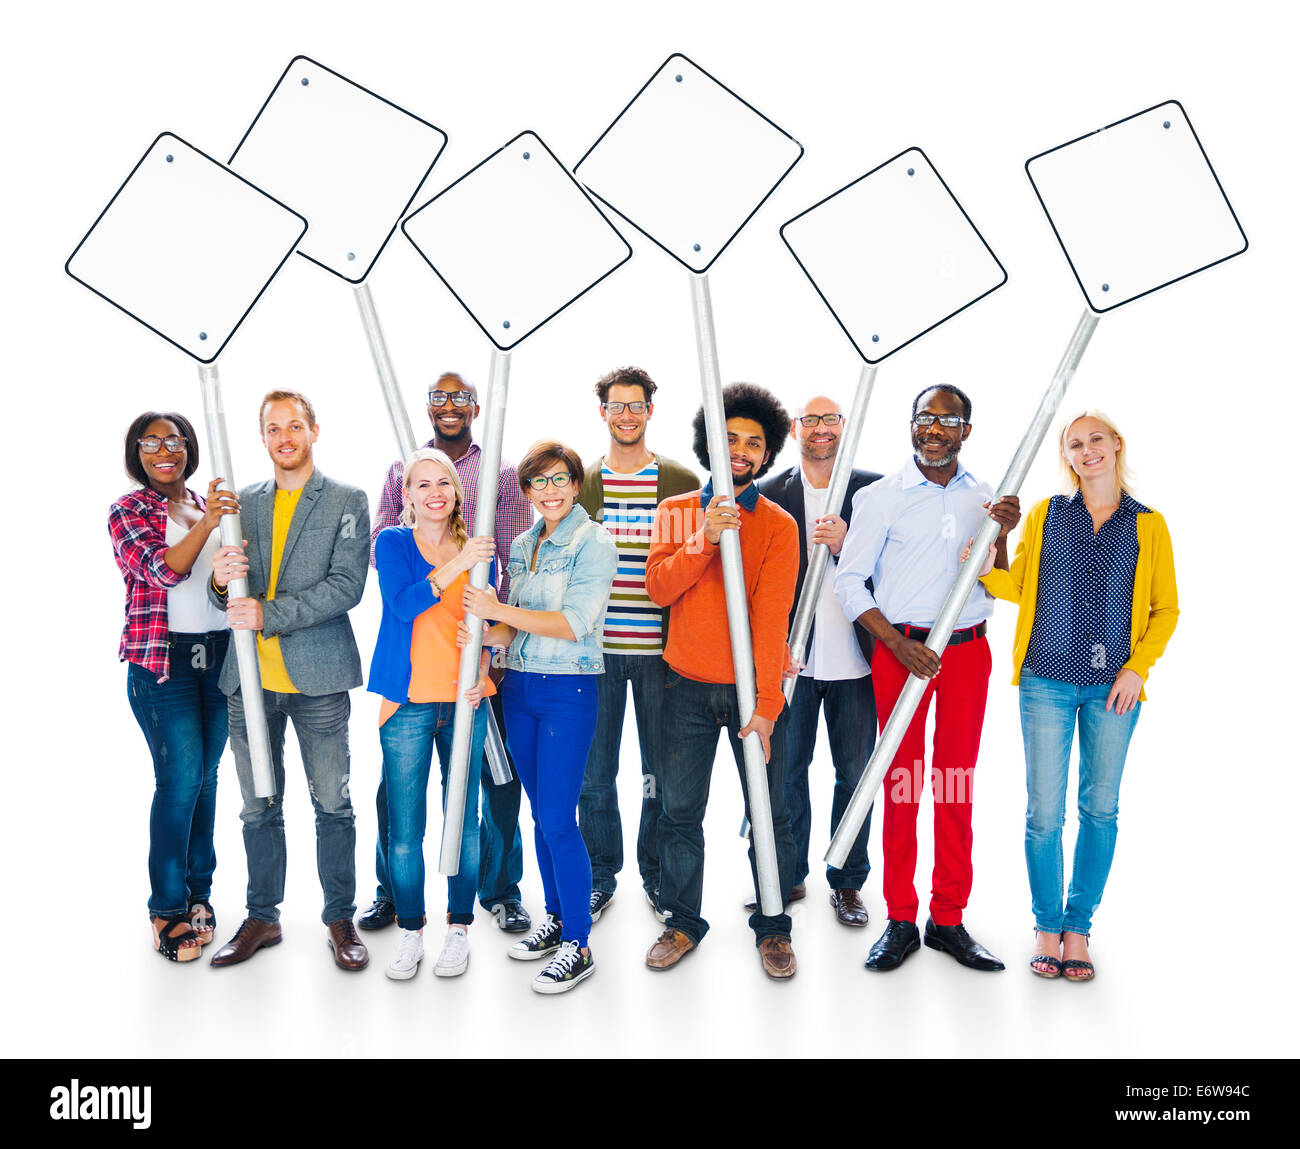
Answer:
[(623, 490)]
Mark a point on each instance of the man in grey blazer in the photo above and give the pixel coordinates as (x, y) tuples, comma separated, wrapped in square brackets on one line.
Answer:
[(836, 673), (305, 557)]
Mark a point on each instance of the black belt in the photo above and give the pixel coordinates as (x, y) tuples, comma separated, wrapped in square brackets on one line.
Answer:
[(970, 634)]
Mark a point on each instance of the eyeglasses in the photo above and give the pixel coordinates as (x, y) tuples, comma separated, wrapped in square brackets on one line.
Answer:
[(618, 408), (813, 420), (942, 420), (458, 398), (151, 444), (538, 482)]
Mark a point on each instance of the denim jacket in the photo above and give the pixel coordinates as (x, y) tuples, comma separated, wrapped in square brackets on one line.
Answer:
[(574, 570)]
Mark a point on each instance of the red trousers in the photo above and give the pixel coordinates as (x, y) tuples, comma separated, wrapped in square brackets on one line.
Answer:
[(959, 690)]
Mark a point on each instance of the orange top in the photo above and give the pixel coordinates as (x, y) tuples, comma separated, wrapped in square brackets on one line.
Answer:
[(435, 657), (684, 571)]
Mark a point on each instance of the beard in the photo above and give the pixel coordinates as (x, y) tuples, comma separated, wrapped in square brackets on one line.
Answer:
[(942, 461), (817, 451)]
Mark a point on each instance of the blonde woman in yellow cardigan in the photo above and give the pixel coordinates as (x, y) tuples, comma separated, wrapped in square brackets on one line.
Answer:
[(1094, 577)]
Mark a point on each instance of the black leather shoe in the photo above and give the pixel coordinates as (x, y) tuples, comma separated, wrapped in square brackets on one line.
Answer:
[(381, 913), (898, 940), (512, 917), (956, 941)]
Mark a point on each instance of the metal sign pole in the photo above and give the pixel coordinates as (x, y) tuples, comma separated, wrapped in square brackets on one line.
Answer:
[(887, 744), (485, 515), (819, 560), (384, 366), (245, 641), (733, 576)]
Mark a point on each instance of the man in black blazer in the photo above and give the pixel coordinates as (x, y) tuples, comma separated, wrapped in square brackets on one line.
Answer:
[(836, 671)]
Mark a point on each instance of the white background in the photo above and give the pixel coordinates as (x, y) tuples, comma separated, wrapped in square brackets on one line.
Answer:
[(1194, 937)]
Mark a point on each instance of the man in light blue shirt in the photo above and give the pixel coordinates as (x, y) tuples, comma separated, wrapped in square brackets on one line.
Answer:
[(906, 535)]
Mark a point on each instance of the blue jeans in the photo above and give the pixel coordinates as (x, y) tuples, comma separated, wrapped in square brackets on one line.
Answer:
[(500, 847), (321, 724), (851, 727), (551, 719), (184, 723), (1048, 710), (694, 714), (408, 739), (598, 816)]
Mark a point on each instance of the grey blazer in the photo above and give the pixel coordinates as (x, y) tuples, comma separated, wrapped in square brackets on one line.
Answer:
[(322, 576)]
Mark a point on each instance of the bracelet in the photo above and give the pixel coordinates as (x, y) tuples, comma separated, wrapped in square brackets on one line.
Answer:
[(437, 587)]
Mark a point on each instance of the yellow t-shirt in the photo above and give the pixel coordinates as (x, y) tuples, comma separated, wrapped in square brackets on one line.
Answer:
[(270, 659)]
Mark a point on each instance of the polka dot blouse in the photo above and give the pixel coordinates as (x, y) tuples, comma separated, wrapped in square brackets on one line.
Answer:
[(1084, 614)]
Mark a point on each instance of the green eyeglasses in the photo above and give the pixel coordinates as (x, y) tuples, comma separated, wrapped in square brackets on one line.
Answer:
[(560, 479)]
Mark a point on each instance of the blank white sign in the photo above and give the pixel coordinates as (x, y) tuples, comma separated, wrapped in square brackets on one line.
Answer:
[(688, 162), (186, 247), (1136, 206), (516, 240), (350, 161), (893, 255)]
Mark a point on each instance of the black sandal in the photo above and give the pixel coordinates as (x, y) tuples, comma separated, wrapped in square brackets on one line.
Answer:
[(1053, 963), (1075, 963), (203, 921), (173, 948)]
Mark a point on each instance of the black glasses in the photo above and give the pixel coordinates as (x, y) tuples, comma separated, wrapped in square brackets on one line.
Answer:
[(618, 408), (942, 420), (151, 444), (458, 398), (813, 420), (538, 482)]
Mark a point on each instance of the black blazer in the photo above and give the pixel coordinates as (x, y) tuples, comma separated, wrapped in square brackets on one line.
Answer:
[(785, 489)]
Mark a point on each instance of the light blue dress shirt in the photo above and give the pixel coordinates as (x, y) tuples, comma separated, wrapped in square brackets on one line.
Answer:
[(907, 536)]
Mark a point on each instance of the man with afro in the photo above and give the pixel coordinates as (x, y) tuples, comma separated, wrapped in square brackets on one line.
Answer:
[(684, 571)]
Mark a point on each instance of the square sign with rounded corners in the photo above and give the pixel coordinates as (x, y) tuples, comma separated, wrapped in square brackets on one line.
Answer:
[(1136, 206), (893, 255), (186, 247), (516, 240), (688, 162), (349, 160)]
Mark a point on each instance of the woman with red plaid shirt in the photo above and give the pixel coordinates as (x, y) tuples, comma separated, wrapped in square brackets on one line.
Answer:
[(164, 537)]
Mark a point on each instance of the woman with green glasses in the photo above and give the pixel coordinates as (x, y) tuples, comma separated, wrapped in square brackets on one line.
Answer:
[(560, 574)]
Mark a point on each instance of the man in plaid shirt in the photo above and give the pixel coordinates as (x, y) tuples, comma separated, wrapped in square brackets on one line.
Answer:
[(453, 407)]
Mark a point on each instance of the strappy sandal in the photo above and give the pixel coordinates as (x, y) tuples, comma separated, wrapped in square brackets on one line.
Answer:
[(1053, 963), (203, 921), (174, 948), (1073, 963)]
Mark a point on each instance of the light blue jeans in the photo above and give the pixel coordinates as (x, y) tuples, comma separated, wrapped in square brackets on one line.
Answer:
[(1048, 710)]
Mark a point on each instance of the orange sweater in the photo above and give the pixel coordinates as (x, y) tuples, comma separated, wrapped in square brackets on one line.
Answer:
[(684, 571)]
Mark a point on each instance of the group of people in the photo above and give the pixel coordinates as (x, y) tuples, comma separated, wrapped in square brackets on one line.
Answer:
[(618, 581)]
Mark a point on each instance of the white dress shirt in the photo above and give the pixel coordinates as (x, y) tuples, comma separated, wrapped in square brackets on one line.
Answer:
[(834, 654)]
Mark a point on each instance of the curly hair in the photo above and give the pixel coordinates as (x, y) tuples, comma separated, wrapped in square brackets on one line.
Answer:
[(748, 401)]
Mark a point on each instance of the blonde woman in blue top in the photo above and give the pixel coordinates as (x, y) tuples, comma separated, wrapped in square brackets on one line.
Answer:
[(423, 565), (560, 574)]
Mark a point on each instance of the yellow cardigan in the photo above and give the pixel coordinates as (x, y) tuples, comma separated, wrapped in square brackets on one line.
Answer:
[(1155, 591)]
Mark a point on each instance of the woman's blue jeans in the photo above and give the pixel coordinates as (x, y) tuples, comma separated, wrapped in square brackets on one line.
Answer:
[(550, 721), (408, 739), (1048, 712), (184, 723)]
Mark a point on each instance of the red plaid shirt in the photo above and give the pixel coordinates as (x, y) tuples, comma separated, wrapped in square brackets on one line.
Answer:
[(514, 512), (137, 524)]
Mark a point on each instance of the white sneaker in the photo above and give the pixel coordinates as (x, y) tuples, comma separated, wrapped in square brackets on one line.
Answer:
[(410, 952), (568, 967), (454, 959)]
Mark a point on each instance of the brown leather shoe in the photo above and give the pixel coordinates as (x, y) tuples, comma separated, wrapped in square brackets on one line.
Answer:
[(797, 894), (251, 936), (848, 907), (668, 950), (778, 957), (349, 951)]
